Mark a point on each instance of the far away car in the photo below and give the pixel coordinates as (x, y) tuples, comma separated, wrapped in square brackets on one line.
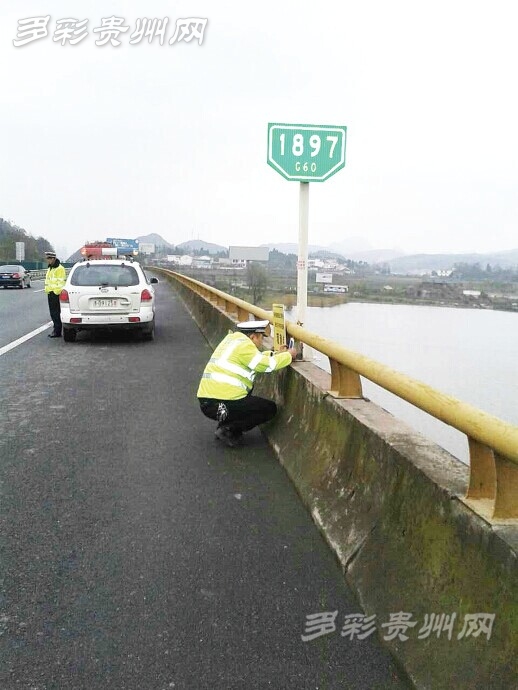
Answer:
[(12, 275), (108, 294)]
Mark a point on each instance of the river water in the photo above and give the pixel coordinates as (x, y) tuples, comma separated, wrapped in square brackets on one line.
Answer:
[(471, 354)]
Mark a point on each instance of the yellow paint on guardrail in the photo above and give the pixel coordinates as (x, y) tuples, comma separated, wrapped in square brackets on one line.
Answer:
[(493, 443)]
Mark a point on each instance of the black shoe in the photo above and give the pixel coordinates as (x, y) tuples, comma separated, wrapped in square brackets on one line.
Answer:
[(54, 335), (229, 438)]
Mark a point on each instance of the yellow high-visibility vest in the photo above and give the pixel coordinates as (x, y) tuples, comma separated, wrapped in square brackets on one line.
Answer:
[(230, 372), (55, 279)]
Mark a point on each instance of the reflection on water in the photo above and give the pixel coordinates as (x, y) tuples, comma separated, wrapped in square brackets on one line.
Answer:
[(468, 353)]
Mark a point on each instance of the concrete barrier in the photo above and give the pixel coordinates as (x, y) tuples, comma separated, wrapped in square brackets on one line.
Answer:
[(389, 503)]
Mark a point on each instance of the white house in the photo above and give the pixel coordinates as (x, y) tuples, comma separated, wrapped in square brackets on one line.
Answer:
[(202, 261)]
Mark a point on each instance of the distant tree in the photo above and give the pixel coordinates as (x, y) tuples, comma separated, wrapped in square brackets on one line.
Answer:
[(256, 278), (10, 233), (278, 259)]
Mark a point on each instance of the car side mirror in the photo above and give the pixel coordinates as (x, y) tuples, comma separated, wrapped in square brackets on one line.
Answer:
[(154, 281)]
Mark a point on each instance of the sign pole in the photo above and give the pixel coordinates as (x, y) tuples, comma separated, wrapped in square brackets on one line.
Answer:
[(304, 154), (302, 263)]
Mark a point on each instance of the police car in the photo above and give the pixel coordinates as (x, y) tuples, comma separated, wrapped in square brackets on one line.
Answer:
[(108, 294)]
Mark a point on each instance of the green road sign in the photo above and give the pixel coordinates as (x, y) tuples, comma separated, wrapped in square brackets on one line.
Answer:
[(306, 153)]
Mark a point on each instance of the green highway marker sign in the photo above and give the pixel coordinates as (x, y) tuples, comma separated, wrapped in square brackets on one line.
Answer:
[(306, 153)]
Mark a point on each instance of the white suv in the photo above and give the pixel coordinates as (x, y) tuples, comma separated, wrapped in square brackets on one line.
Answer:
[(108, 294)]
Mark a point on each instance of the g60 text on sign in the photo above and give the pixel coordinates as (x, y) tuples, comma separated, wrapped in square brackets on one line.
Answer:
[(306, 153)]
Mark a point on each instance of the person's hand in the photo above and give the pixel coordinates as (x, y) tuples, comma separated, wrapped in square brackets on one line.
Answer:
[(291, 350)]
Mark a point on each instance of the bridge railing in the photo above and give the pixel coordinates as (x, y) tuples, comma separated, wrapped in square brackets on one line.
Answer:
[(493, 443), (40, 274)]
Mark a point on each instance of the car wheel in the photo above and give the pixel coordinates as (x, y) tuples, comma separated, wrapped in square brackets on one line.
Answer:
[(29, 285), (69, 335), (21, 285), (149, 334)]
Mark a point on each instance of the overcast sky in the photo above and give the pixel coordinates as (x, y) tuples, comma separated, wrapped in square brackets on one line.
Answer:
[(100, 140)]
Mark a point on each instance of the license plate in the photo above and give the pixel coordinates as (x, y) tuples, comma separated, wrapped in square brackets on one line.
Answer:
[(100, 303)]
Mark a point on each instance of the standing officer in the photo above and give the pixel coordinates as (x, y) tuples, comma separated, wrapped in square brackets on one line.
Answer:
[(225, 388), (54, 283)]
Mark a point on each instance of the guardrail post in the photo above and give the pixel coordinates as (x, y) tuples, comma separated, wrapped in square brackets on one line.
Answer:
[(345, 383), (493, 480), (231, 309), (506, 499), (242, 314), (482, 472)]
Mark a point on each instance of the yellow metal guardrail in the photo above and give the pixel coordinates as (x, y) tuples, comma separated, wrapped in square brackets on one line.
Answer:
[(493, 443)]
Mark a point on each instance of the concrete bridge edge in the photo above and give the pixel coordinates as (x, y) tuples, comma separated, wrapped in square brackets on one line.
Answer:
[(389, 504)]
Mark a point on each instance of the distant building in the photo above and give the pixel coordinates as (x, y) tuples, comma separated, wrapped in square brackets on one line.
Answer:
[(336, 288), (248, 253), (202, 262), (471, 293)]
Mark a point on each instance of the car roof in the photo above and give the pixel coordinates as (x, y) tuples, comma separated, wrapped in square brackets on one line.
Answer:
[(109, 262)]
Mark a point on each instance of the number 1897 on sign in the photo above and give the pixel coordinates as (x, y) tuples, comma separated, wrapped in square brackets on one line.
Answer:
[(306, 153), (315, 144)]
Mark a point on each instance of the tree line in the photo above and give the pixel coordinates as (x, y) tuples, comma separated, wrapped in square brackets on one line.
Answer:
[(11, 233), (465, 271)]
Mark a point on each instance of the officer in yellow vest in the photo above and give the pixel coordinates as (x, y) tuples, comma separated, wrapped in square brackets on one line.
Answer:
[(54, 282), (225, 388)]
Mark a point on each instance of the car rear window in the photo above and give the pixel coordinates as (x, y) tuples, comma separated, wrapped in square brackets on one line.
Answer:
[(116, 276), (8, 269)]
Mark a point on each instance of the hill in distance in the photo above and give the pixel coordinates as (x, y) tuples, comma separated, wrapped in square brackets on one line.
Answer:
[(157, 240), (292, 248), (10, 233), (437, 262), (197, 245), (371, 256)]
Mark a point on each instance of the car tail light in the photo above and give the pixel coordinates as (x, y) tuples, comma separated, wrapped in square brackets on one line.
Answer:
[(146, 296), (76, 320), (16, 275), (63, 296), (134, 319)]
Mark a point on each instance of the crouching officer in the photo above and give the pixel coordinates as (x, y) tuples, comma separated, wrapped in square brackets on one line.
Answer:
[(225, 388), (55, 279)]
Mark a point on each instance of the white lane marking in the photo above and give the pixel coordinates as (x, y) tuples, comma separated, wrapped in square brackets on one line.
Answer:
[(39, 290), (24, 338)]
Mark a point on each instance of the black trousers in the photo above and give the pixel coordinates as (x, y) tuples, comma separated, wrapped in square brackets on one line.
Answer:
[(243, 414), (55, 311)]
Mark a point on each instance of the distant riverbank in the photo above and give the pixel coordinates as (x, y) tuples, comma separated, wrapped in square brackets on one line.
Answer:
[(322, 300)]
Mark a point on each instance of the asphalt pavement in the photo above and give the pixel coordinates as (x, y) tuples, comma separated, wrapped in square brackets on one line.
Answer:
[(22, 311), (138, 553)]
